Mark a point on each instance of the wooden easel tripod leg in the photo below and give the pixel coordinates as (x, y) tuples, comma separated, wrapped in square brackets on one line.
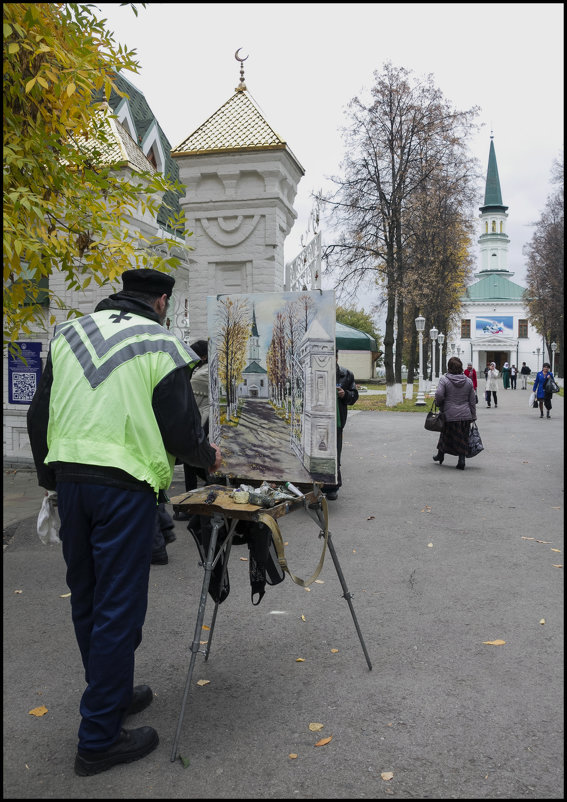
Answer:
[(346, 594), (216, 525), (348, 597)]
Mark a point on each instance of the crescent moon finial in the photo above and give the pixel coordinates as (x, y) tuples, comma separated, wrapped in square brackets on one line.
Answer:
[(241, 86)]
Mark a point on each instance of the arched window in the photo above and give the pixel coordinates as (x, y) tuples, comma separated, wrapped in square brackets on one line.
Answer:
[(494, 226), (486, 227), (501, 227)]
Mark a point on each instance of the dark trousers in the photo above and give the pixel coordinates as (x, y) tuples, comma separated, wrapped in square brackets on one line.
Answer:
[(487, 396), (334, 488), (107, 536), (513, 380), (163, 522)]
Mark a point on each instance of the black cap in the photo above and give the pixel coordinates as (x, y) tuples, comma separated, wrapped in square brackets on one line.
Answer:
[(150, 282), (201, 348)]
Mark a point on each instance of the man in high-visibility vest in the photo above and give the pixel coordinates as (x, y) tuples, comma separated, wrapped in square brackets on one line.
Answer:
[(113, 409)]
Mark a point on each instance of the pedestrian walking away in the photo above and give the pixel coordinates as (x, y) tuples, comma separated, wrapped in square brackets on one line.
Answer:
[(524, 372), (541, 389), (347, 395), (112, 411), (491, 388), (455, 396)]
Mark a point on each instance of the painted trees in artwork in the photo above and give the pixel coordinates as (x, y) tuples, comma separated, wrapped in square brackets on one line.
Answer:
[(233, 329), (289, 329)]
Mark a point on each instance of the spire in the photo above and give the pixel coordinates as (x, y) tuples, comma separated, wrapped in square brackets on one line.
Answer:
[(241, 86), (492, 194)]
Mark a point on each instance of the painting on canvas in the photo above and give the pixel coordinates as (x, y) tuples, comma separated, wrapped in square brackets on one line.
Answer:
[(272, 385)]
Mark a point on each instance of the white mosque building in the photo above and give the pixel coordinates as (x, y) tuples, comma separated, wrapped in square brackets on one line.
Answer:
[(494, 324)]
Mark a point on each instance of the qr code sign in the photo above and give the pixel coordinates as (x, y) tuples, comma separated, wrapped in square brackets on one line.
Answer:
[(23, 386)]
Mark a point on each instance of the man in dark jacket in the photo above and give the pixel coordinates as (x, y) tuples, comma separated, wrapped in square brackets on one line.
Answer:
[(347, 394), (525, 372), (112, 410)]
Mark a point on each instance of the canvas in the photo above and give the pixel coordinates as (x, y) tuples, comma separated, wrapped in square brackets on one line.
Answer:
[(273, 385)]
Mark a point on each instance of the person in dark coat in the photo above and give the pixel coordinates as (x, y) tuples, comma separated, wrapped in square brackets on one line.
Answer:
[(347, 394), (455, 396), (540, 389), (525, 372)]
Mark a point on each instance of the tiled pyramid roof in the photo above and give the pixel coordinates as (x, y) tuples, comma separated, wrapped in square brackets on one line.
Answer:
[(237, 125)]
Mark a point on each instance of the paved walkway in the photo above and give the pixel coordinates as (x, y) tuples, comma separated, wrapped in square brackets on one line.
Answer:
[(440, 563)]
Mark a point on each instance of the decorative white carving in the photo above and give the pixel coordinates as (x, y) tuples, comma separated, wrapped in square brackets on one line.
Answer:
[(226, 235)]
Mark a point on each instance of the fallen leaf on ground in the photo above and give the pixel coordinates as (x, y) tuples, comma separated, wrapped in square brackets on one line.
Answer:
[(370, 517), (547, 542), (556, 508), (203, 681), (185, 761), (244, 559), (542, 621), (38, 711), (554, 565), (303, 618), (205, 627), (354, 551), (557, 550), (203, 642), (65, 595), (292, 756), (314, 727), (430, 545), (387, 775), (324, 741), (319, 581), (527, 538), (18, 591), (299, 659), (334, 651), (494, 642), (308, 589)]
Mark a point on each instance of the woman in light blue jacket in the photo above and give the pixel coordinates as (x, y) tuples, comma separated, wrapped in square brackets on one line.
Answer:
[(539, 388)]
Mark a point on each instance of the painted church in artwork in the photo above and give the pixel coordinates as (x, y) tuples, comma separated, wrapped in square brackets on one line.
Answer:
[(494, 325)]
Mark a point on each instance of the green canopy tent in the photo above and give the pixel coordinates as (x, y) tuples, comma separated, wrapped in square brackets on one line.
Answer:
[(358, 351), (349, 339)]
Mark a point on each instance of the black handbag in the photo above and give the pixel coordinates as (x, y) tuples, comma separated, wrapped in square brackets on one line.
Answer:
[(475, 443), (434, 421), (550, 386)]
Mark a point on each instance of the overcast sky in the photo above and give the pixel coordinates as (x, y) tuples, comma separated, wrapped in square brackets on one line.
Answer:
[(307, 60)]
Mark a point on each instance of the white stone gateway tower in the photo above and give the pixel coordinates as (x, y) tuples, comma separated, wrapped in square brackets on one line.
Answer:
[(241, 180)]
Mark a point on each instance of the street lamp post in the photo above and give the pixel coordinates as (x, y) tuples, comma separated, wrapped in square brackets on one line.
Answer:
[(440, 340), (420, 325), (553, 350), (433, 336)]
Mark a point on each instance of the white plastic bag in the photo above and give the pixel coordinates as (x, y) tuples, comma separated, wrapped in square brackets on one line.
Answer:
[(48, 519), (531, 401)]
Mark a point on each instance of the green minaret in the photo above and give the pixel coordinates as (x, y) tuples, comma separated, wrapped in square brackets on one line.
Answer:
[(492, 192), (493, 240)]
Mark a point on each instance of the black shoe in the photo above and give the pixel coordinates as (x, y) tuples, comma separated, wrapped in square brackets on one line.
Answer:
[(142, 697), (541, 415), (548, 415), (160, 557), (131, 745), (169, 536), (331, 495), (461, 464), (439, 457)]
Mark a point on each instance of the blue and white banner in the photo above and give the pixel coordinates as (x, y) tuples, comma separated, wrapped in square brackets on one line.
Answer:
[(488, 326)]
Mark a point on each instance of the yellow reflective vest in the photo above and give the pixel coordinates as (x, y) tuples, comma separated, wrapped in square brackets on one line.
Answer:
[(104, 376)]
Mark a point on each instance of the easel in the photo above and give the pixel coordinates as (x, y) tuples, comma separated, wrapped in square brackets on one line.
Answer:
[(223, 510)]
